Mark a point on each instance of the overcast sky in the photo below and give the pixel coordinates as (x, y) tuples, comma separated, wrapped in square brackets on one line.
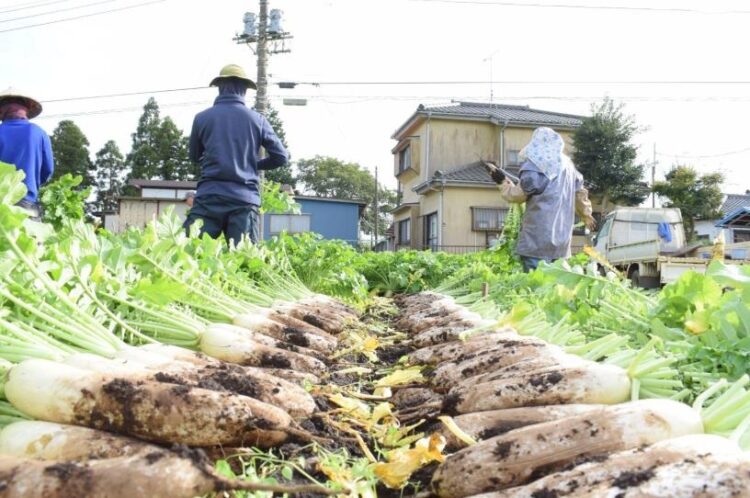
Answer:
[(175, 44)]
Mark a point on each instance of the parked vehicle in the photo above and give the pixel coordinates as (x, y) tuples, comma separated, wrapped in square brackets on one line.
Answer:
[(649, 246)]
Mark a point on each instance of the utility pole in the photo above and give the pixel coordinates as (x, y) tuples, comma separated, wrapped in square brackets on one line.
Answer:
[(261, 95), (264, 37), (269, 38), (653, 179)]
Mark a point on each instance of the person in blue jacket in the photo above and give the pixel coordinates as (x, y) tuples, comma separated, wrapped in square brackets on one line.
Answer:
[(25, 145), (226, 141)]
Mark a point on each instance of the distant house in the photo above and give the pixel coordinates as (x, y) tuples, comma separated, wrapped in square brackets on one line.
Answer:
[(331, 218), (708, 230), (447, 199), (152, 199)]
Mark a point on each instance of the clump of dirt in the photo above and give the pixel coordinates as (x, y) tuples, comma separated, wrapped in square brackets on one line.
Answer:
[(502, 449), (629, 479), (126, 395), (296, 337), (502, 428), (221, 380), (391, 354), (275, 361), (545, 381)]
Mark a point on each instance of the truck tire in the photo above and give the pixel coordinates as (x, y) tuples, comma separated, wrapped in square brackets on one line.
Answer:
[(635, 278)]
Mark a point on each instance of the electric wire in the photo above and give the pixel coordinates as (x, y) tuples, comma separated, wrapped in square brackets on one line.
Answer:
[(49, 12), (82, 16), (30, 5), (503, 3)]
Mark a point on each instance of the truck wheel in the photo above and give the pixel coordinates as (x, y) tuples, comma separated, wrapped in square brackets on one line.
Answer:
[(635, 278)]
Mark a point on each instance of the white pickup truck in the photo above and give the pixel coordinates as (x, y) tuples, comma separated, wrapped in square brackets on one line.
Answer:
[(648, 245)]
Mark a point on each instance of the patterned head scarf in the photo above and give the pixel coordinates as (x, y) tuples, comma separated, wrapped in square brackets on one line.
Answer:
[(545, 150)]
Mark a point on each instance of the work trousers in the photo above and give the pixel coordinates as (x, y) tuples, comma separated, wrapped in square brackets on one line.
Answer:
[(224, 215)]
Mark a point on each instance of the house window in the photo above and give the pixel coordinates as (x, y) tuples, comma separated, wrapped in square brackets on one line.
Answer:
[(290, 223), (741, 235), (431, 231), (512, 158), (404, 159), (487, 219), (404, 231)]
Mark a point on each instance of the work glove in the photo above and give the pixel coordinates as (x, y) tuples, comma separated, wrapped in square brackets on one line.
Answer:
[(497, 175)]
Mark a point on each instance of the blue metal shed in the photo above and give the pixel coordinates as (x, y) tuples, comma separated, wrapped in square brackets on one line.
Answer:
[(331, 218)]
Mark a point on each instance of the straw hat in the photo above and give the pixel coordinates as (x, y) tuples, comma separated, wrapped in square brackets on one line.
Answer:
[(236, 72), (35, 108)]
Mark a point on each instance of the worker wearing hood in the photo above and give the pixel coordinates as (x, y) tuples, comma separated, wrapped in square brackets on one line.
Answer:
[(553, 191)]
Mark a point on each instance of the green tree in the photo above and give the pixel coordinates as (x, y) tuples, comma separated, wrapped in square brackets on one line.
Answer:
[(607, 159), (70, 148), (159, 150), (283, 175), (333, 178), (110, 176), (172, 153), (697, 196), (142, 159)]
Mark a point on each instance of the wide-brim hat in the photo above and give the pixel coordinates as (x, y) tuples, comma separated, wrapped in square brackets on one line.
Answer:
[(233, 71), (33, 105)]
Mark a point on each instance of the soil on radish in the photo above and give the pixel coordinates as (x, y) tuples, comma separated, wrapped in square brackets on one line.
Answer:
[(275, 361), (296, 337)]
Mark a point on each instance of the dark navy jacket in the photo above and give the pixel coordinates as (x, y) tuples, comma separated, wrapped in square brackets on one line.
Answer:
[(28, 148), (226, 141)]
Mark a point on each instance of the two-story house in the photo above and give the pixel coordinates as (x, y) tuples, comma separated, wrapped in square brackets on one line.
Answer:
[(447, 199)]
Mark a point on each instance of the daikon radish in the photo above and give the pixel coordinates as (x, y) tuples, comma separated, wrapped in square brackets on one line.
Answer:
[(52, 441), (158, 474), (484, 425), (222, 377), (300, 338), (523, 454), (236, 347), (681, 460), (153, 411), (497, 362), (448, 332), (590, 383), (459, 350)]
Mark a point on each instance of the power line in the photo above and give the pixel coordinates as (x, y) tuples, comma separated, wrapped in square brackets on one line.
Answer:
[(707, 156), (126, 94), (536, 97), (676, 10), (82, 16), (531, 82), (30, 5), (77, 7)]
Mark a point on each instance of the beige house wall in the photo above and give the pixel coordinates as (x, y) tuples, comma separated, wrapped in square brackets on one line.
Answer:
[(457, 227), (455, 144)]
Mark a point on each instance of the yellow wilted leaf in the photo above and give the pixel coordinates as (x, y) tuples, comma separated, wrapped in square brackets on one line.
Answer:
[(353, 407), (381, 411), (370, 344), (403, 462), (411, 375)]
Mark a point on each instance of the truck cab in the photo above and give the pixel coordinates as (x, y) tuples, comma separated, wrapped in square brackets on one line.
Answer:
[(646, 244)]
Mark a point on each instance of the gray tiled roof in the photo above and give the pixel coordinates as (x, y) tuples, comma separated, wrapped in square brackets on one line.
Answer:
[(472, 173), (513, 114), (733, 202)]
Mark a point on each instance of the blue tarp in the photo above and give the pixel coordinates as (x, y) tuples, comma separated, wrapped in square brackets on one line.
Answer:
[(739, 218)]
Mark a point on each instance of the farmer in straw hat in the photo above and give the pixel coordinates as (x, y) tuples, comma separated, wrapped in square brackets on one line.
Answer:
[(24, 144), (226, 141), (553, 191)]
